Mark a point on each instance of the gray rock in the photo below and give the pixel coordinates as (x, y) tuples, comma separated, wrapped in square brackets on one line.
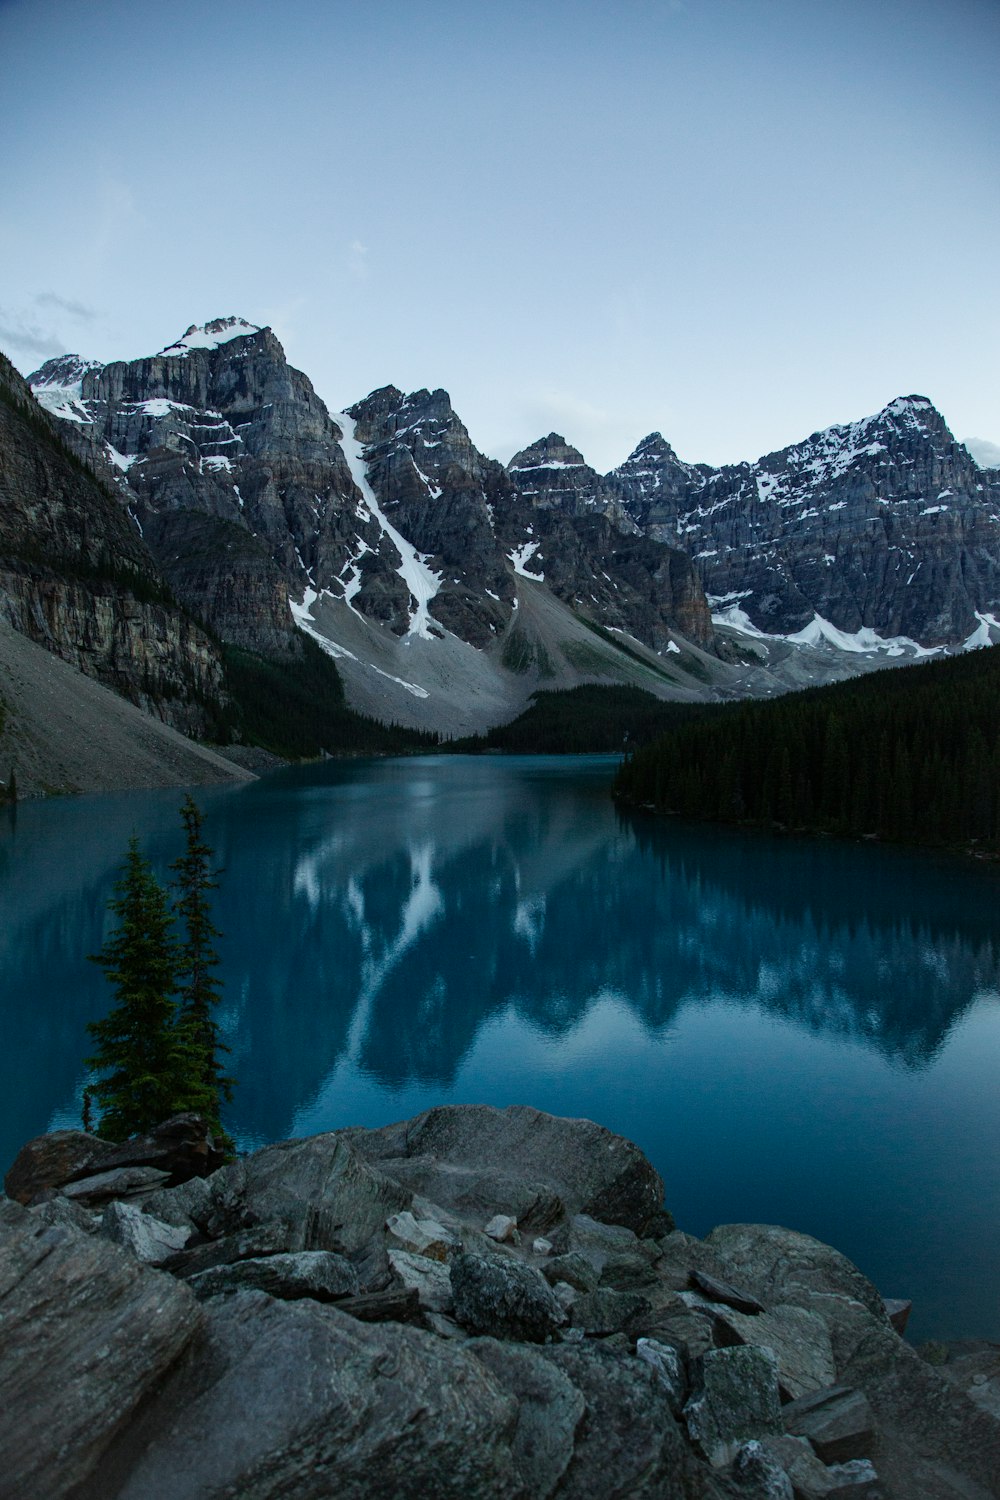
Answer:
[(504, 1298), (781, 1265), (758, 1473), (320, 1188), (898, 1311), (421, 1236), (738, 1399), (809, 1476), (799, 1338), (262, 1239), (502, 1227), (838, 1422), (720, 1291), (628, 1443), (549, 1412), (294, 1399), (149, 1239), (87, 1333), (121, 1182), (51, 1160), (573, 1268), (689, 1329), (666, 1363), (606, 1311), (855, 1480), (428, 1278), (320, 1274), (559, 1166), (186, 1206)]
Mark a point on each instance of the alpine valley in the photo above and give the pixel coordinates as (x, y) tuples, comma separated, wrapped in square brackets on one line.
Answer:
[(161, 514)]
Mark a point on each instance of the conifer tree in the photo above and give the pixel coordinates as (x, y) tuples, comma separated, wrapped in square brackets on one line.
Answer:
[(199, 987), (147, 1060)]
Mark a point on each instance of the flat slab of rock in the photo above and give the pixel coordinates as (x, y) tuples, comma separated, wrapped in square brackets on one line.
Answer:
[(606, 1311), (504, 1298), (321, 1274), (800, 1340), (569, 1166), (119, 1182), (738, 1400), (181, 1147), (720, 1291), (87, 1332), (50, 1160), (839, 1423)]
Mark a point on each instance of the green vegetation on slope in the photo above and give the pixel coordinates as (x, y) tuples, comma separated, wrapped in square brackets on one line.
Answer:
[(296, 708), (911, 754), (575, 720)]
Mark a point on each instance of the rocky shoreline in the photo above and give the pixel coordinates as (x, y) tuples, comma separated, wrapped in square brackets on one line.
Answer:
[(475, 1302)]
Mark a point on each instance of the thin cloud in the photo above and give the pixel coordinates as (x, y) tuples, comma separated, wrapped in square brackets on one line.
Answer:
[(28, 338), (357, 261), (64, 304)]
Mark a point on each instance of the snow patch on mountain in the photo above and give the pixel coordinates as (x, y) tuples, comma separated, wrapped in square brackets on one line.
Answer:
[(210, 335), (422, 581)]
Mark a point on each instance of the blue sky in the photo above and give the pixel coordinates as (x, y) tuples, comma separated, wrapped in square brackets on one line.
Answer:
[(734, 221)]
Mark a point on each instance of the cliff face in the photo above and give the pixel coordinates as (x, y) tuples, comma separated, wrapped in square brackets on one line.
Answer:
[(886, 524), (390, 508), (76, 577)]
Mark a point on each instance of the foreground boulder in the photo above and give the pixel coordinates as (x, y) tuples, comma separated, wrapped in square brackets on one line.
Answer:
[(181, 1148), (87, 1332), (521, 1163), (338, 1317)]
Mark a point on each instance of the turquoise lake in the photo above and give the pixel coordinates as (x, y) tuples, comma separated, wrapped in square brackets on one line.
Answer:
[(796, 1032)]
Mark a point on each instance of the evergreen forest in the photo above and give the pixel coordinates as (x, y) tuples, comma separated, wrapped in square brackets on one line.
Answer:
[(910, 755)]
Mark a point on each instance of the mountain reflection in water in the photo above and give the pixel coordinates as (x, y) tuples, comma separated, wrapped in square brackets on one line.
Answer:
[(399, 933)]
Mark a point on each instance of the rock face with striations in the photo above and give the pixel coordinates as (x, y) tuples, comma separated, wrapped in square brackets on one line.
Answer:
[(77, 577), (291, 1348), (886, 524)]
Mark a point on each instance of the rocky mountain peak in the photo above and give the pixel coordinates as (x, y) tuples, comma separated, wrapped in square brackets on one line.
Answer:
[(210, 335), (552, 452)]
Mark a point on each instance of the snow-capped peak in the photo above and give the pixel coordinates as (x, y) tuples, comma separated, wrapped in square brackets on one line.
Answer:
[(211, 335), (57, 385), (64, 373)]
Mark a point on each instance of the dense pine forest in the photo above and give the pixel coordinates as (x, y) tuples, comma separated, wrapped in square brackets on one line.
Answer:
[(911, 755), (297, 709), (572, 721)]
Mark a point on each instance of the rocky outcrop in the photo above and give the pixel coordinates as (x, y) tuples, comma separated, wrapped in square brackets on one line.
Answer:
[(886, 524), (293, 1347), (76, 576)]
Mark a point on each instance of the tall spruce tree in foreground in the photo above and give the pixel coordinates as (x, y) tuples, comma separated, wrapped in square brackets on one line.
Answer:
[(199, 989), (146, 1057)]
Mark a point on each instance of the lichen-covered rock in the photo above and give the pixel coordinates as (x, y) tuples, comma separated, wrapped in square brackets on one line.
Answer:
[(504, 1298), (628, 1443), (549, 1411), (606, 1311), (738, 1400)]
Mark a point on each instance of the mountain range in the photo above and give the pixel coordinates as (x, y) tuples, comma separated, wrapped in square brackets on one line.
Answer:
[(450, 587)]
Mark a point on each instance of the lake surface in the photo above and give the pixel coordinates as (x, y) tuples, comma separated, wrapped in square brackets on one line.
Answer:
[(804, 1033)]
